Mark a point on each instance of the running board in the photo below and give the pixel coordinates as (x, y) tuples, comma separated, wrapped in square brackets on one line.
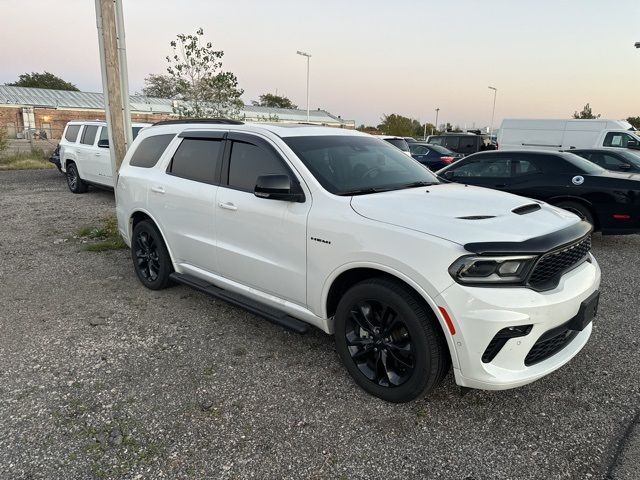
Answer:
[(272, 314)]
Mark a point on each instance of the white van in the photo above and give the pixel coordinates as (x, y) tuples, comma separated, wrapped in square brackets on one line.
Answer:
[(84, 154), (567, 134)]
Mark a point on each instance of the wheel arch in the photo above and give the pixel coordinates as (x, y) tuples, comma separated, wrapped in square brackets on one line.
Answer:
[(348, 275), (139, 215), (582, 201)]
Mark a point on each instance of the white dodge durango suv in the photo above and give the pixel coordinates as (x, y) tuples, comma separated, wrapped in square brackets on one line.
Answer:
[(333, 228)]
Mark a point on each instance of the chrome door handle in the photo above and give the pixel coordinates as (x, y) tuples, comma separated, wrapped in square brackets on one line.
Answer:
[(97, 154), (157, 189), (228, 206)]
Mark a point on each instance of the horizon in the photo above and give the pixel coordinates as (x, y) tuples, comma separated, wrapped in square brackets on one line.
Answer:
[(369, 51)]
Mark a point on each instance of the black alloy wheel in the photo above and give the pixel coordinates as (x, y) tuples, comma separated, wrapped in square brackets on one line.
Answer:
[(390, 341), (74, 182), (150, 256), (379, 343)]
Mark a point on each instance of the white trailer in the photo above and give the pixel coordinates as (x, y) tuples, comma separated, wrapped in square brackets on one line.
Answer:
[(566, 134)]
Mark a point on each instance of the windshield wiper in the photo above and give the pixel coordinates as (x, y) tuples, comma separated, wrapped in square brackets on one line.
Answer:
[(364, 191), (420, 183)]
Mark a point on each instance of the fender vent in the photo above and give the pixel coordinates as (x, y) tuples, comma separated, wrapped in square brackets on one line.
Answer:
[(523, 210), (476, 217)]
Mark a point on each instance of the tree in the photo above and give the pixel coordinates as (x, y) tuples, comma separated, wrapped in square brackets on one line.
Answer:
[(43, 80), (635, 121), (195, 77), (395, 124), (274, 101), (161, 86), (585, 114)]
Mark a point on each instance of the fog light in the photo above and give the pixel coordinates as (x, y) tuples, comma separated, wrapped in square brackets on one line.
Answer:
[(509, 268)]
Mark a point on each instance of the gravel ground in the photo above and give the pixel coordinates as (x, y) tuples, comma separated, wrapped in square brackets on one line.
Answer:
[(101, 378)]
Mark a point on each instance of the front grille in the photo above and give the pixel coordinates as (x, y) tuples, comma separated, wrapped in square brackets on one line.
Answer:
[(549, 344), (552, 265)]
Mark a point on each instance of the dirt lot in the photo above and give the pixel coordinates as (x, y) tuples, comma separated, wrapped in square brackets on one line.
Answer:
[(101, 378)]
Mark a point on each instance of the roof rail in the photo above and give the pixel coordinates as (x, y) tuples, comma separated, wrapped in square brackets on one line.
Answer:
[(226, 121)]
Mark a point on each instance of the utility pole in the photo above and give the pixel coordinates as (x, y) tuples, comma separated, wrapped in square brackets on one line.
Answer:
[(437, 112), (115, 85), (308, 57), (495, 94)]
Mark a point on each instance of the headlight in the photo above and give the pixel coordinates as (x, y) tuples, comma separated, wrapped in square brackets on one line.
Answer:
[(511, 270)]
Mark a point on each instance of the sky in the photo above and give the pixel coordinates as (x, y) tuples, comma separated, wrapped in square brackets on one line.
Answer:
[(547, 58)]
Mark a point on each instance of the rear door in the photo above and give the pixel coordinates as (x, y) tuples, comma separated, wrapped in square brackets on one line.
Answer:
[(88, 155), (103, 158), (183, 196), (261, 242)]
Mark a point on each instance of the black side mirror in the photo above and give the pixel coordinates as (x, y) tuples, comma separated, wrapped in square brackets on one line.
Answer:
[(278, 187), (103, 143)]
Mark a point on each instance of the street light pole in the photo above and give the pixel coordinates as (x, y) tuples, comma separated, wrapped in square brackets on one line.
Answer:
[(308, 57), (437, 112), (495, 94)]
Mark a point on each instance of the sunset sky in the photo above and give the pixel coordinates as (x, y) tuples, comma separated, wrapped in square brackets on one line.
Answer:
[(546, 57)]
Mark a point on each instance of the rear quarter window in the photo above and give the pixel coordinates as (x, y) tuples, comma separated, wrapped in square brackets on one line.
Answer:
[(150, 150), (71, 135)]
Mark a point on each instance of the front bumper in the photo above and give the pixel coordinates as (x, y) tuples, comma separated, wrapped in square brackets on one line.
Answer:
[(479, 313)]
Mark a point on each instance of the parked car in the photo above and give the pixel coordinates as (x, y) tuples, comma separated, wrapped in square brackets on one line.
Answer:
[(566, 134), (55, 157), (614, 159), (464, 143), (433, 156), (398, 142), (609, 201), (84, 154), (334, 228), (410, 139)]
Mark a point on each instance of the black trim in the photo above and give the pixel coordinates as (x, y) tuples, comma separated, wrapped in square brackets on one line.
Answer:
[(182, 121), (273, 315), (204, 134), (536, 245)]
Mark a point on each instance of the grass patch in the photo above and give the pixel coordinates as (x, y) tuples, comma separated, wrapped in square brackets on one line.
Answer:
[(102, 237), (34, 160)]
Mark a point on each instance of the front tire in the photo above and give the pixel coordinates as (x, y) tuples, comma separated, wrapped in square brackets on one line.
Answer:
[(74, 182), (390, 341), (151, 260)]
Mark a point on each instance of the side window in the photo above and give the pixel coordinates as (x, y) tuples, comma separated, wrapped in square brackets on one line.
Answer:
[(436, 140), (467, 145), (617, 139), (104, 134), (419, 150), (149, 151), (197, 160), (248, 162), (608, 161), (71, 135), (524, 167), (451, 142), (490, 168), (89, 134)]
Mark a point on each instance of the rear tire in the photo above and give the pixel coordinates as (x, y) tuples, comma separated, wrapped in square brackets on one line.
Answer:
[(74, 182), (151, 260), (389, 341), (580, 210)]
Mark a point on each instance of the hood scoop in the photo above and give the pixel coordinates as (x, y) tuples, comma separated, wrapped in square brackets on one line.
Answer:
[(523, 210), (476, 217)]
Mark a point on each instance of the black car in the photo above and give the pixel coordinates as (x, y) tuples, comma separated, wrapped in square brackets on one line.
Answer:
[(616, 160), (465, 143), (609, 201), (434, 157)]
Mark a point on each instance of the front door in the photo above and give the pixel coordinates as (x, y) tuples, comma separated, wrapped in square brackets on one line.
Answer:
[(261, 243)]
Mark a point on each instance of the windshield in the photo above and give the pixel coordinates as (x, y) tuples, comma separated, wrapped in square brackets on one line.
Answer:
[(401, 143), (632, 158), (351, 165)]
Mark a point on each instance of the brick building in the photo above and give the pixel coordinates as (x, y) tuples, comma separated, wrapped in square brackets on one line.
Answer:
[(43, 113)]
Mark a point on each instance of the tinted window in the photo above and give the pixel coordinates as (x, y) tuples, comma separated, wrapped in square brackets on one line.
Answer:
[(104, 133), (490, 167), (71, 134), (574, 163), (149, 150), (467, 144), (350, 164), (248, 162), (437, 140), (89, 134), (524, 167), (442, 150), (617, 139), (608, 161), (452, 143), (400, 143), (419, 149), (197, 160)]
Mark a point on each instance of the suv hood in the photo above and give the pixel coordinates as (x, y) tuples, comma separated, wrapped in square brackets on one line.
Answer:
[(440, 210)]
